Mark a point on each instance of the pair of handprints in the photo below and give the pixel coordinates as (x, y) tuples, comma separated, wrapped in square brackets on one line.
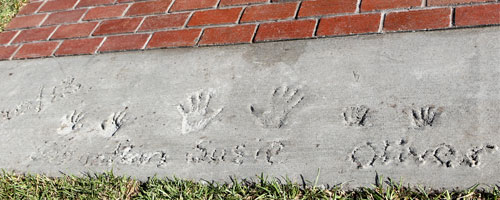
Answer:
[(196, 114)]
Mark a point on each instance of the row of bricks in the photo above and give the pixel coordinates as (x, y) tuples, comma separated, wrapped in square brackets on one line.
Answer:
[(393, 21), (340, 25), (206, 17), (183, 5)]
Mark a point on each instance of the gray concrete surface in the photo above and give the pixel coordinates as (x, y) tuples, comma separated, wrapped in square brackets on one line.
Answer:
[(424, 107)]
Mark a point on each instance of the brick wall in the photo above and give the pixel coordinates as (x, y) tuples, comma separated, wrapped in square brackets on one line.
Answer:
[(75, 27)]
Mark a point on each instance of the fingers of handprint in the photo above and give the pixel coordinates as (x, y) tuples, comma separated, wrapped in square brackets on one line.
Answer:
[(79, 117), (286, 90), (197, 100), (280, 92), (204, 101), (296, 99), (290, 95), (115, 116), (353, 110), (72, 117), (416, 114), (192, 103), (120, 117), (430, 114), (424, 113), (275, 92), (364, 110)]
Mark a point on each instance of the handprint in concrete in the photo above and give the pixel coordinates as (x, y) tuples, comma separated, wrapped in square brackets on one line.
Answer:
[(355, 115), (424, 116), (112, 124), (197, 114), (283, 101), (70, 123)]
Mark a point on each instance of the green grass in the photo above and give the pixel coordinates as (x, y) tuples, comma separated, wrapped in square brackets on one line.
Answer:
[(110, 186), (9, 9)]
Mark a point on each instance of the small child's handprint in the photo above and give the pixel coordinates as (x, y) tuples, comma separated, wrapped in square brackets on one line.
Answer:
[(196, 114), (283, 101), (425, 116), (70, 123), (355, 115), (110, 126)]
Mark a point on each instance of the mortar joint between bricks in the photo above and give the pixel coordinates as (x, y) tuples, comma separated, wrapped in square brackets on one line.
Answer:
[(169, 7), (13, 38), (217, 5), (382, 21), (15, 52), (147, 41), (315, 30), (53, 54), (140, 24), (40, 7), (255, 33), (452, 17), (95, 28), (199, 37), (125, 12), (41, 22), (358, 7), (238, 21), (53, 32), (296, 14), (74, 6), (83, 16), (100, 45)]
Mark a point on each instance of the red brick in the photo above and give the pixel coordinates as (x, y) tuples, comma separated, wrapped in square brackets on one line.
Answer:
[(477, 15), (7, 51), (29, 8), (105, 12), (418, 19), (369, 5), (6, 37), (149, 7), (85, 3), (269, 12), (285, 30), (64, 17), (450, 2), (36, 50), (228, 35), (34, 34), (118, 26), (239, 2), (58, 5), (326, 7), (164, 21), (124, 42), (177, 38), (26, 21), (78, 46), (74, 30), (180, 5), (351, 24), (219, 16)]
